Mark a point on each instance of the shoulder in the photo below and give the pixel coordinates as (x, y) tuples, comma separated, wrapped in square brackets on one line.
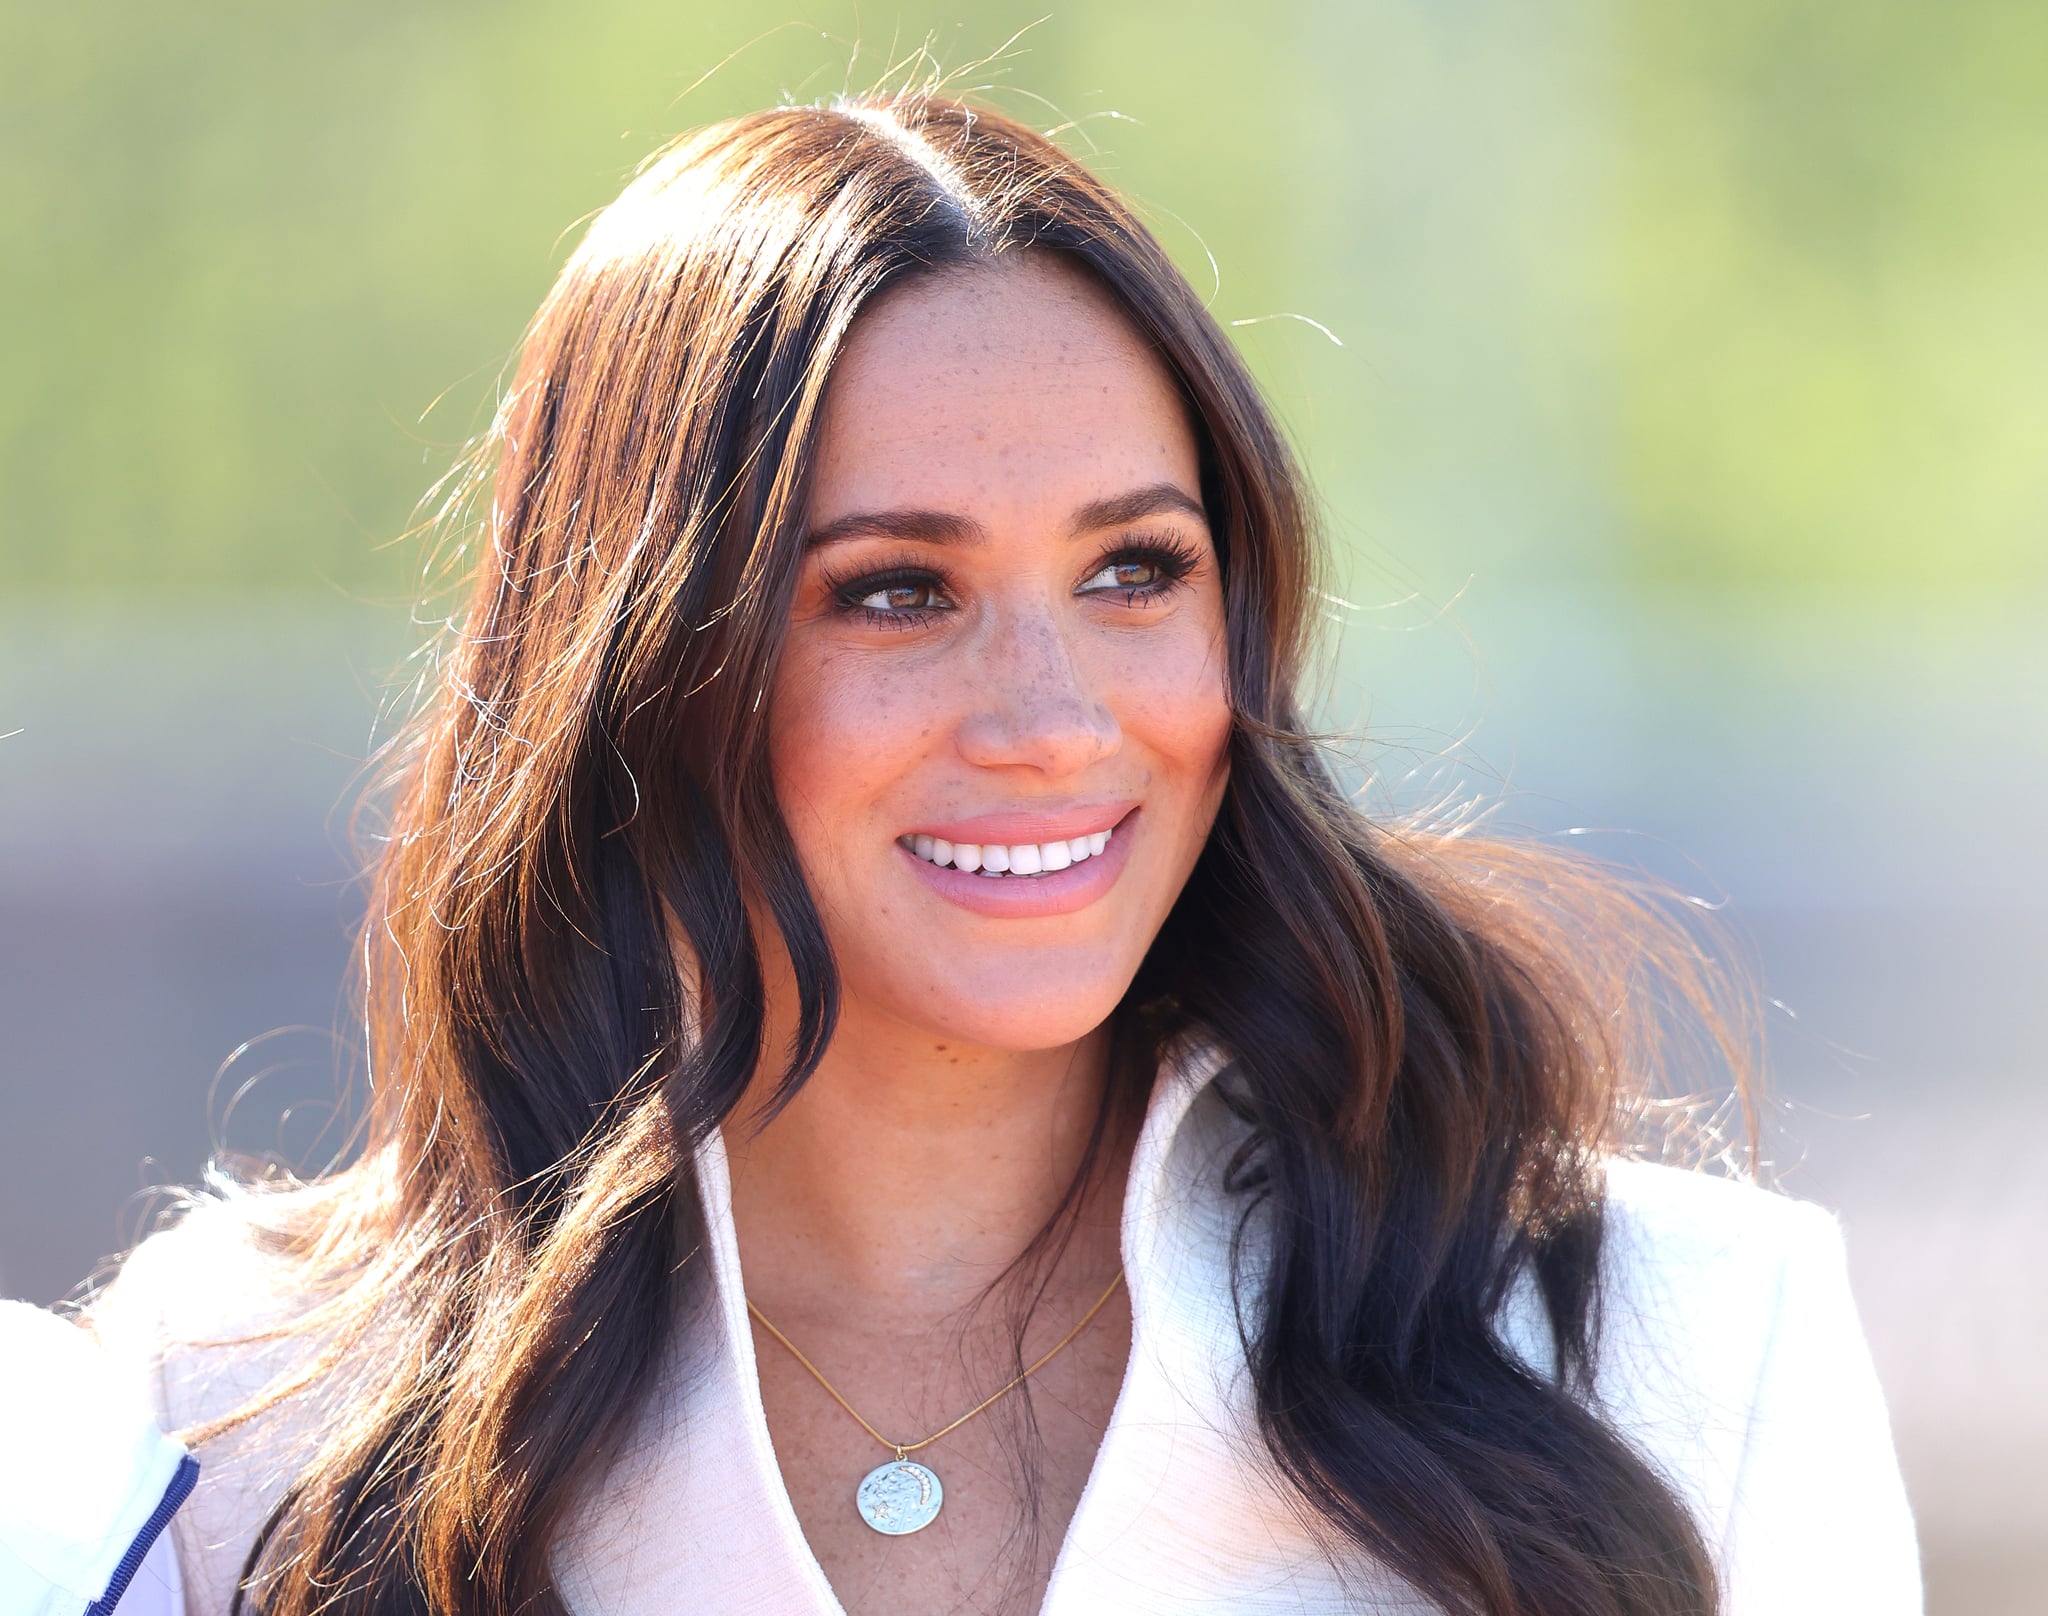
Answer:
[(89, 1479), (199, 1308), (1712, 1290), (1730, 1353), (203, 1274), (208, 1318), (1695, 1274), (1705, 1214), (1702, 1245)]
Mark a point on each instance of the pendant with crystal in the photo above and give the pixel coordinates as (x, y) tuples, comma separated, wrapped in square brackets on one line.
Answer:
[(899, 1497)]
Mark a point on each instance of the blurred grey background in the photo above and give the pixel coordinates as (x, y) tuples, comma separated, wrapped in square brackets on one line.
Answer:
[(1680, 421)]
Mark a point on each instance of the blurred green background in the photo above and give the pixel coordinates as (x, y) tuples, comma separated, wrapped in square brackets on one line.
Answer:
[(1682, 428), (1752, 290)]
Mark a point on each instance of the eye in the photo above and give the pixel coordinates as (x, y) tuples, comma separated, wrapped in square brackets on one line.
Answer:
[(919, 595), (897, 597), (1131, 572), (1143, 572)]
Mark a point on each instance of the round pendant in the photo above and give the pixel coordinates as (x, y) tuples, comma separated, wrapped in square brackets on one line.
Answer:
[(899, 1497)]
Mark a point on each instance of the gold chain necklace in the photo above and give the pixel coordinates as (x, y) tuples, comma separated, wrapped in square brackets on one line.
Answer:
[(902, 1496)]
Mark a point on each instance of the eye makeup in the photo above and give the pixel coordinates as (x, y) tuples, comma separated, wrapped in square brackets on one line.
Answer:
[(925, 592)]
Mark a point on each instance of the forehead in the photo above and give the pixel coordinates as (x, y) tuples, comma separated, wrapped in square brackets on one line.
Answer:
[(996, 390)]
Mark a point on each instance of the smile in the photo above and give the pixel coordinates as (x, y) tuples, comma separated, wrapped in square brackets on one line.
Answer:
[(1018, 879), (1013, 859)]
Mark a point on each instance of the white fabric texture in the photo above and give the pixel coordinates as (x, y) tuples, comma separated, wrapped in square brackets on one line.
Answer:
[(83, 1468), (1730, 1354)]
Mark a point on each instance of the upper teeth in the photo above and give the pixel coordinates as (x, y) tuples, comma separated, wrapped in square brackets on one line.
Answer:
[(1019, 858)]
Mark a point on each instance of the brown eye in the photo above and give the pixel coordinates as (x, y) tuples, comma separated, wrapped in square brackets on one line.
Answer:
[(904, 597), (1129, 572)]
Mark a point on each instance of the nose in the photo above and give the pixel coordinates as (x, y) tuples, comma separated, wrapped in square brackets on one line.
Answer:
[(1036, 709)]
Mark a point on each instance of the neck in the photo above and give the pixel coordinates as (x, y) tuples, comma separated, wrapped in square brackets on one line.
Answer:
[(909, 1172)]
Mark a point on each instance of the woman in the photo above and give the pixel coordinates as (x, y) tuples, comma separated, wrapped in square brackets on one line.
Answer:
[(862, 921)]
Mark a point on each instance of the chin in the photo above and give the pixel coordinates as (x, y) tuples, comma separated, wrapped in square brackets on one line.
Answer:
[(1030, 1028), (994, 1010)]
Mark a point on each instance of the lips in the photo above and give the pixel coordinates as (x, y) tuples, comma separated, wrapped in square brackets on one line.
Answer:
[(1038, 873)]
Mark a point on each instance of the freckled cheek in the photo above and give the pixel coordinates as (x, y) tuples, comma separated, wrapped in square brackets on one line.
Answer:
[(1175, 701), (844, 738)]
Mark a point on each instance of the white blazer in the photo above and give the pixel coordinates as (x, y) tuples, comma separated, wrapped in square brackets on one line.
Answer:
[(1730, 1355)]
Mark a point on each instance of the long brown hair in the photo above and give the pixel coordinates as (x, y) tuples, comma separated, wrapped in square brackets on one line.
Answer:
[(1435, 1038)]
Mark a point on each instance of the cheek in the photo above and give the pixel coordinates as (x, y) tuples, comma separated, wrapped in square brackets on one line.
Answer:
[(1173, 696), (840, 731)]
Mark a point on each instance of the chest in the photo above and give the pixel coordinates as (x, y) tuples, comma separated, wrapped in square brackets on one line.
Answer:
[(1009, 1478), (1145, 1490), (735, 1494)]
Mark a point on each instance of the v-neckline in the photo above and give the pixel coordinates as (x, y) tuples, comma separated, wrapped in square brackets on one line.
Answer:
[(1177, 1085)]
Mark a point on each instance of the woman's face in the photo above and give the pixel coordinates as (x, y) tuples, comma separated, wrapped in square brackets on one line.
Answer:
[(1006, 655)]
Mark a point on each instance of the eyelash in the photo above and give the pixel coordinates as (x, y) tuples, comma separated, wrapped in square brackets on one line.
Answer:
[(1174, 557)]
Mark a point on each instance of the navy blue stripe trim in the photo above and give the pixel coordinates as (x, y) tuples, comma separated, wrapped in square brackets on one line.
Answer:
[(179, 1490)]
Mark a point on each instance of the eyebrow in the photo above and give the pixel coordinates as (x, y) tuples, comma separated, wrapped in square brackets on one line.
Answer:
[(947, 527)]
